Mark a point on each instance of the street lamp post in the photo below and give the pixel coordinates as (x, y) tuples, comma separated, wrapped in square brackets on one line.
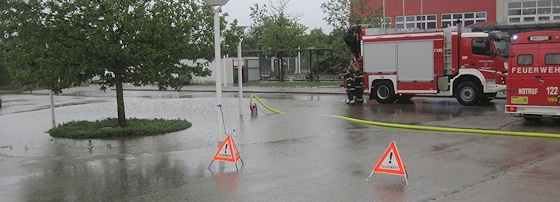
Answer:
[(240, 72), (217, 7), (240, 75)]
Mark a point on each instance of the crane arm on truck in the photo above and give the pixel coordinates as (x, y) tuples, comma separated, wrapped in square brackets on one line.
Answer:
[(352, 38)]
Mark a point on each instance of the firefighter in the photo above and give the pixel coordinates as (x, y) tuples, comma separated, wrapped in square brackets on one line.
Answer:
[(350, 90), (359, 84)]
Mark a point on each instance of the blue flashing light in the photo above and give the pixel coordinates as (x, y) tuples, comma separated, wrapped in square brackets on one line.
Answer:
[(514, 37)]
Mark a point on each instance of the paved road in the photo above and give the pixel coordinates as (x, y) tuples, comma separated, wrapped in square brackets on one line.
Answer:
[(301, 155)]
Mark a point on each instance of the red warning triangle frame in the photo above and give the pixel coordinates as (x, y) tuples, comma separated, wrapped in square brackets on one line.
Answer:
[(383, 167), (227, 151)]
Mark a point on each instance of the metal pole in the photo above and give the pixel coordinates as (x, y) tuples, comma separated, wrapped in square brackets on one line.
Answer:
[(403, 11), (52, 109), (299, 60), (422, 26), (224, 71), (217, 62), (384, 15), (240, 76)]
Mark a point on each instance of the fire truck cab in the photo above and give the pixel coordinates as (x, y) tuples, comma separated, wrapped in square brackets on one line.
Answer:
[(534, 75), (451, 62)]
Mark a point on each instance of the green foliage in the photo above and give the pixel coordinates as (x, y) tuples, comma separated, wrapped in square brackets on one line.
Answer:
[(108, 128), (316, 39), (57, 44), (4, 74), (340, 17), (342, 14), (278, 34)]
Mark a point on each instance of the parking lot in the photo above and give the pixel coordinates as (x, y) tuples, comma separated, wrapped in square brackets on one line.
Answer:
[(302, 155)]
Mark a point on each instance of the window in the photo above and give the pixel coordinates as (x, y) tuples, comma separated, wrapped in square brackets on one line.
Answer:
[(514, 20), (541, 11), (386, 23), (450, 19), (552, 59), (544, 3), (529, 19), (514, 5), (525, 59), (556, 10), (523, 11), (416, 22), (481, 47)]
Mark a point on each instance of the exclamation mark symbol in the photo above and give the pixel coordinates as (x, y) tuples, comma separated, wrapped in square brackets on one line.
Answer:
[(225, 149), (390, 157)]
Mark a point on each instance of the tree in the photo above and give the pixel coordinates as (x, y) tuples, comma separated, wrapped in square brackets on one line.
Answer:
[(4, 75), (57, 44), (342, 14), (278, 32), (318, 44)]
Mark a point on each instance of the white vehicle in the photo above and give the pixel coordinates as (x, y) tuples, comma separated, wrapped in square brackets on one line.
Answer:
[(97, 79)]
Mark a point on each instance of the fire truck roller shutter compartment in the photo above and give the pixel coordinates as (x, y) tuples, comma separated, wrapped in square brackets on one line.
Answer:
[(381, 57), (415, 61)]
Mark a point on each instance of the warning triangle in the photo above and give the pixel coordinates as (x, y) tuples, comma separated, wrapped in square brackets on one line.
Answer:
[(227, 151), (390, 162)]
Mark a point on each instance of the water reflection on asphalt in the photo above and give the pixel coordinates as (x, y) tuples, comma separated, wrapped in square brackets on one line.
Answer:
[(39, 167)]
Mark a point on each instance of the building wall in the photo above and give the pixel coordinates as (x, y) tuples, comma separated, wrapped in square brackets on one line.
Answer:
[(395, 8), (226, 70), (528, 11), (494, 12)]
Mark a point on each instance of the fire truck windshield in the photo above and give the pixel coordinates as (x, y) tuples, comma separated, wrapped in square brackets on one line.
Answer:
[(502, 47)]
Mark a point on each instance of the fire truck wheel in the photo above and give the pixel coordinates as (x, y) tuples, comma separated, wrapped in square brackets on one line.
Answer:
[(488, 97), (405, 97), (383, 92), (468, 94)]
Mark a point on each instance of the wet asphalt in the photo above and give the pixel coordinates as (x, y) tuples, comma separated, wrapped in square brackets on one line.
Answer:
[(302, 155)]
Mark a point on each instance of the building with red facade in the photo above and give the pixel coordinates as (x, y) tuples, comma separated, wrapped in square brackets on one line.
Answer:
[(505, 15)]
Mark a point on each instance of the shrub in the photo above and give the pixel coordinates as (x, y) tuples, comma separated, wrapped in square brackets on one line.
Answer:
[(108, 128)]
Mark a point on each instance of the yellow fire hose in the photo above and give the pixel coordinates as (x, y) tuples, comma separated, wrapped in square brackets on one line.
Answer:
[(429, 128)]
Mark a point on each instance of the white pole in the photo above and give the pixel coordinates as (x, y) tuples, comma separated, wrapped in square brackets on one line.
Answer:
[(404, 17), (384, 25), (422, 26), (403, 10), (217, 56), (224, 72), (240, 77), (272, 63), (52, 109), (299, 60)]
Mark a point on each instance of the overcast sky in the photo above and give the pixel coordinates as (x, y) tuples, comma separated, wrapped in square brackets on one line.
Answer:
[(310, 9)]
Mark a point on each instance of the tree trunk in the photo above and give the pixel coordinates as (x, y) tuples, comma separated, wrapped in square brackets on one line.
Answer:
[(120, 100)]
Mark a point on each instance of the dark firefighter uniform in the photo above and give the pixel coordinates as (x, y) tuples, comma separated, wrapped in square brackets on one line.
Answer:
[(359, 86), (350, 89)]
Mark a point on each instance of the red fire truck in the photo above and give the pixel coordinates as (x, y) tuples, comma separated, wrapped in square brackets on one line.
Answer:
[(468, 65), (534, 75)]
